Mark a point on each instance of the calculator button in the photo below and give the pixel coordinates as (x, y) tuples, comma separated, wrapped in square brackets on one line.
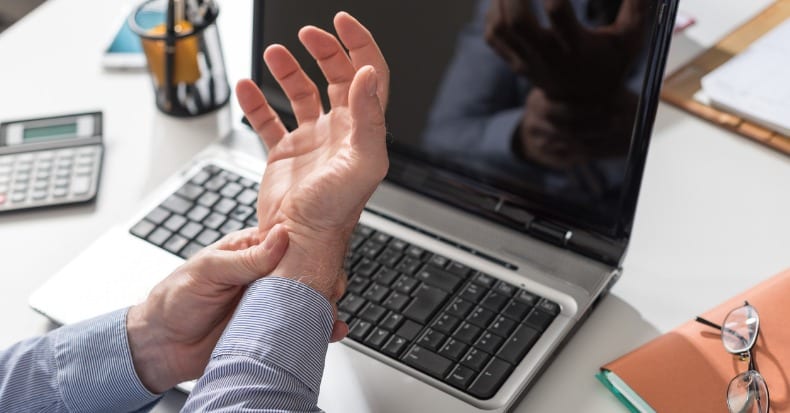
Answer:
[(25, 157), (80, 185), (61, 183), (83, 171), (18, 197), (59, 192), (40, 185), (45, 155), (63, 173), (5, 170)]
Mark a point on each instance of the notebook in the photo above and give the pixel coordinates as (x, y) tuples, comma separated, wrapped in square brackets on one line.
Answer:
[(474, 261), (754, 83), (688, 369)]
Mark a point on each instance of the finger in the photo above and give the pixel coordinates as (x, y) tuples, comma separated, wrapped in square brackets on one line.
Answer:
[(241, 267), (238, 240), (333, 61), (301, 91), (563, 20), (339, 331), (364, 51), (368, 130), (262, 117), (519, 34)]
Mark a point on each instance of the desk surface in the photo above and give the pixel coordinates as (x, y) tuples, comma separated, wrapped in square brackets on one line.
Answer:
[(713, 215)]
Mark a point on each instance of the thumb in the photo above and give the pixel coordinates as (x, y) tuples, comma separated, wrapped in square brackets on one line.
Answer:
[(241, 267), (367, 116)]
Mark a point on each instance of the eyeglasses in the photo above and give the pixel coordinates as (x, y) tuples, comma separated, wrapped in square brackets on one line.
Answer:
[(747, 392)]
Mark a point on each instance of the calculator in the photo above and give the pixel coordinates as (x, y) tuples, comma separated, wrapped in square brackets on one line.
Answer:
[(50, 161)]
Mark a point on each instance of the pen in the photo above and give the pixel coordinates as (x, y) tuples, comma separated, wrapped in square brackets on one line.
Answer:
[(170, 50)]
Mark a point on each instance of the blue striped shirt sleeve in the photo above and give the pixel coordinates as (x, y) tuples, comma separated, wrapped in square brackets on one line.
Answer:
[(83, 367), (271, 356)]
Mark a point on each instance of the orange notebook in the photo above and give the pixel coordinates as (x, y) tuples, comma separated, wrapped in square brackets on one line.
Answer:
[(688, 369)]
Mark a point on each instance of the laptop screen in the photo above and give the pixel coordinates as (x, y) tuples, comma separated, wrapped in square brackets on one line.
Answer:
[(503, 108)]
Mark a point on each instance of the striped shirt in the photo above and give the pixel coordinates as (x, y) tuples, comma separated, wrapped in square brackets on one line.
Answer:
[(269, 359)]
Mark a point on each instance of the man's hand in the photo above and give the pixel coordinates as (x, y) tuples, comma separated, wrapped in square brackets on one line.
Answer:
[(320, 175), (173, 332)]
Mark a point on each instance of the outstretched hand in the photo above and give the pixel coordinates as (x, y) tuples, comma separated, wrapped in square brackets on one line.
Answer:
[(320, 175)]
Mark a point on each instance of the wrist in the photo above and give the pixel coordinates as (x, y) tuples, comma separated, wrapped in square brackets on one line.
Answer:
[(315, 258), (147, 352)]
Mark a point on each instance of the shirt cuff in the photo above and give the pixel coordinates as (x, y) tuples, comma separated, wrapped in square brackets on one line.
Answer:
[(282, 322), (95, 368)]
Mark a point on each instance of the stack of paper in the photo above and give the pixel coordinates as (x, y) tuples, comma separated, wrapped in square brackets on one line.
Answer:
[(756, 83)]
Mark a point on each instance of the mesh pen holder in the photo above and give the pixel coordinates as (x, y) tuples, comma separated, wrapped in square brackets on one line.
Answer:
[(182, 46)]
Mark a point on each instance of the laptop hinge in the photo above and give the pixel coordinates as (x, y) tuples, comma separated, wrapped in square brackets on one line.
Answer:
[(551, 232)]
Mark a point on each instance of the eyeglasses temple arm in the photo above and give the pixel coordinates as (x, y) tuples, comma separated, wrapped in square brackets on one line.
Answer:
[(707, 323)]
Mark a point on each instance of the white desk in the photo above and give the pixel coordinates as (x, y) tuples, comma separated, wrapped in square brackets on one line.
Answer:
[(713, 216)]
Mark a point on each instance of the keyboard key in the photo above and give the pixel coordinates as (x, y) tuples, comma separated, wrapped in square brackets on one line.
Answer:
[(539, 319), (191, 249), (475, 359), (408, 265), (229, 176), (215, 184), (242, 212), (515, 310), (409, 330), (484, 280), (208, 199), (191, 230), (247, 183), (480, 317), (395, 346), (473, 292), (344, 316), (431, 339), (351, 303), (459, 308), (504, 288), (176, 243), (461, 377), (198, 213), (415, 252), (467, 333), (453, 349), (231, 190), (392, 321), (405, 284), (385, 276), (381, 237), (389, 257), (247, 197), (366, 267), (177, 204), (427, 361), (502, 326), (446, 323), (398, 245), (357, 285), (230, 226), (200, 178), (214, 220), (489, 342), (427, 301), (518, 344), (489, 380), (141, 229), (396, 301), (438, 260), (370, 249), (224, 206), (364, 230), (208, 237), (158, 215), (377, 338), (190, 191), (527, 298), (458, 269), (438, 277), (494, 301), (376, 292), (372, 312), (159, 236), (360, 330), (549, 306), (175, 222)]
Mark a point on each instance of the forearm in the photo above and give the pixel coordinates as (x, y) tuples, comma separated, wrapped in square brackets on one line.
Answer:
[(85, 367), (271, 356)]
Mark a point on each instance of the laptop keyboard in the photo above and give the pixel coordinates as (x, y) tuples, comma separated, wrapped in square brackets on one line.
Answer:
[(458, 325)]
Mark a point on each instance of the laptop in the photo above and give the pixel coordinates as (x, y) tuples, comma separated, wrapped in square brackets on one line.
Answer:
[(503, 220)]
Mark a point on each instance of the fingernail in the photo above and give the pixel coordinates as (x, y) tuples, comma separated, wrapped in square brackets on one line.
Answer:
[(373, 82)]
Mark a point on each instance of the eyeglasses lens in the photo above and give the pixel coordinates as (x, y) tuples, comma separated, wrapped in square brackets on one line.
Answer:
[(748, 393), (740, 329)]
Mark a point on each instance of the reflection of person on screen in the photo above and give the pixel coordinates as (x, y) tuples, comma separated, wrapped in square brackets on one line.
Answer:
[(544, 87)]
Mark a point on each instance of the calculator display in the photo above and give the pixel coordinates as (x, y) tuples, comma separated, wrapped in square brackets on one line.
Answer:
[(49, 132)]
